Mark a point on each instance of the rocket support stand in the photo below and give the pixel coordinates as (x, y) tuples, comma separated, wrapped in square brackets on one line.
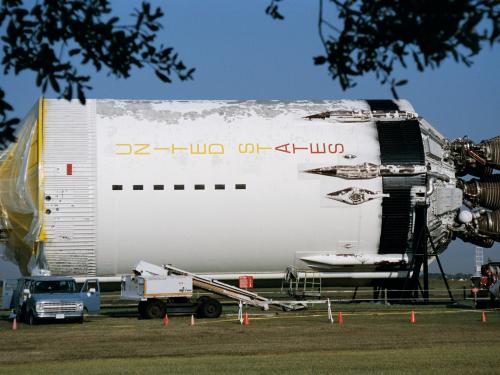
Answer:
[(420, 260)]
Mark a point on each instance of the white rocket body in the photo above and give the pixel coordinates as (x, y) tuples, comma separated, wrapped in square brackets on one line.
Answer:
[(219, 186)]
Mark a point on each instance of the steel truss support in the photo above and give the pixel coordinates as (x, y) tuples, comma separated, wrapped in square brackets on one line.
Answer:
[(420, 260)]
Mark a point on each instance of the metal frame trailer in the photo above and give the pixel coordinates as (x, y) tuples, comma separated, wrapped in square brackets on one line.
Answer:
[(166, 289)]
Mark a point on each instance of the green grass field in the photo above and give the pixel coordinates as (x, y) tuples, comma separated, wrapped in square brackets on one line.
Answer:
[(373, 340)]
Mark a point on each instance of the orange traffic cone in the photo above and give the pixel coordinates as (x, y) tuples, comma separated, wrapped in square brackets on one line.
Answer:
[(412, 317), (340, 318), (246, 320), (165, 320), (483, 317), (192, 320), (14, 324)]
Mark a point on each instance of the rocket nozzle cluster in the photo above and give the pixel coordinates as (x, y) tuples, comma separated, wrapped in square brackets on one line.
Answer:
[(478, 160), (482, 194)]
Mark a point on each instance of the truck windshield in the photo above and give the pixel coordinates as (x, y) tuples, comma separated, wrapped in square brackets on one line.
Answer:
[(55, 286)]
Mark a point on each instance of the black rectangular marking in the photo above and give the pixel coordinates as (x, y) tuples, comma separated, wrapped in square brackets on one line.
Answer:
[(240, 186), (137, 187), (117, 187), (397, 213), (400, 142), (220, 187), (158, 187), (382, 105), (199, 187), (178, 187)]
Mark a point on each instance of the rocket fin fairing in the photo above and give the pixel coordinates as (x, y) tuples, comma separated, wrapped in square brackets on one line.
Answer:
[(355, 195)]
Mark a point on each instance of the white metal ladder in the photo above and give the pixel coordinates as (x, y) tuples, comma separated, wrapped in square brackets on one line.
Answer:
[(302, 283)]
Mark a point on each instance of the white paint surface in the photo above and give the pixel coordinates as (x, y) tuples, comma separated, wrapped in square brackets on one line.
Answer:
[(282, 215), (281, 212)]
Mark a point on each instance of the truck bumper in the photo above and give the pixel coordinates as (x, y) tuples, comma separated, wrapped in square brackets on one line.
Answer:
[(62, 315)]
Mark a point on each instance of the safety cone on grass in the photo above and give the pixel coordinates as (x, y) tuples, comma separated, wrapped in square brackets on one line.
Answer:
[(340, 318), (246, 320), (483, 317), (412, 317), (166, 320), (14, 324), (192, 320)]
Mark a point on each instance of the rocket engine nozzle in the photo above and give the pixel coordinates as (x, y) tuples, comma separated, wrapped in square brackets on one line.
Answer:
[(492, 148), (489, 225), (480, 194), (476, 159), (482, 228), (484, 192)]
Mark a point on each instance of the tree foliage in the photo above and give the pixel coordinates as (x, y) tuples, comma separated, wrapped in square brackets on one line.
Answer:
[(55, 38), (375, 36)]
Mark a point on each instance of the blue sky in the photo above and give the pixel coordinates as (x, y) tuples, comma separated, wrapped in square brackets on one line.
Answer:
[(240, 53)]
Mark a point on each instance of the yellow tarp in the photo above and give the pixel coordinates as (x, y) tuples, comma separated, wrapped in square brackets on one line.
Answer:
[(20, 196)]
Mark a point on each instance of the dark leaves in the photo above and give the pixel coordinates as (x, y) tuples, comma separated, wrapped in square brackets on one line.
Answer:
[(81, 94), (11, 122), (162, 76), (52, 36), (273, 11), (394, 92), (373, 36), (319, 60), (53, 83), (6, 124)]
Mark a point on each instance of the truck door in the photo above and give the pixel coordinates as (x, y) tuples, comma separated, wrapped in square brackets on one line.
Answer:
[(19, 299), (9, 286), (91, 296)]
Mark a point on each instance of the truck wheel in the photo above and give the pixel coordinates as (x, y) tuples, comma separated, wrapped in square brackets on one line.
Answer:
[(154, 309), (142, 309), (32, 320), (481, 305), (199, 308), (22, 316), (202, 299), (210, 308)]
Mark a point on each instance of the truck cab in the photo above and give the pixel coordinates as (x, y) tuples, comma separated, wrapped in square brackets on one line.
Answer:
[(51, 297)]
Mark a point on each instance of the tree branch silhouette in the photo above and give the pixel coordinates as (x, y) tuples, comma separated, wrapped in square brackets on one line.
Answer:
[(54, 38), (374, 36)]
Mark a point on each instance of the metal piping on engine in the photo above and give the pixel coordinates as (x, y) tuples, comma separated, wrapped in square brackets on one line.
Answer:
[(430, 186), (431, 179), (439, 176)]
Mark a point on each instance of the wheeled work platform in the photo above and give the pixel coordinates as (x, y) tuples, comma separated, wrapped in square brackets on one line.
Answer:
[(167, 289)]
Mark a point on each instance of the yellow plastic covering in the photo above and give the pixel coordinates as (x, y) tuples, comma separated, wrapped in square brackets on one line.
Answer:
[(20, 195)]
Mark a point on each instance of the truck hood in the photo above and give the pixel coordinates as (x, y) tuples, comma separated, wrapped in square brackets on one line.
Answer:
[(74, 297)]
